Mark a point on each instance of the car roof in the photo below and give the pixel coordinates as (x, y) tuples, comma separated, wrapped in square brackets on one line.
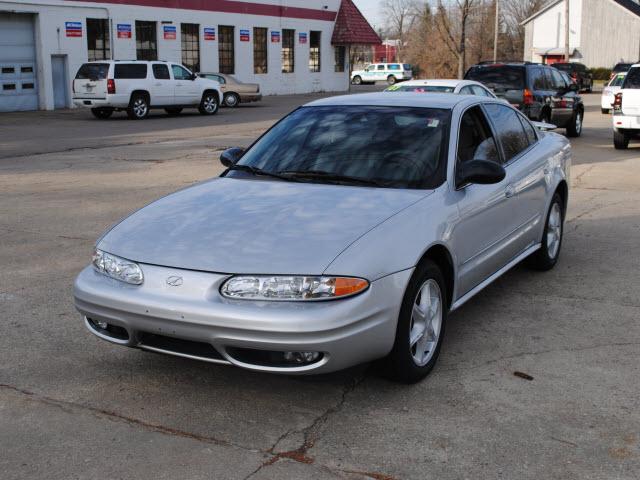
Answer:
[(399, 99)]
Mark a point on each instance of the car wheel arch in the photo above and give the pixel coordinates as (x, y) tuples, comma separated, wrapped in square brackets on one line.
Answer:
[(141, 92), (441, 256), (215, 92), (562, 189)]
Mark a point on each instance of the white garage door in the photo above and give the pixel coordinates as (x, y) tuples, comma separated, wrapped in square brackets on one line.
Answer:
[(18, 87)]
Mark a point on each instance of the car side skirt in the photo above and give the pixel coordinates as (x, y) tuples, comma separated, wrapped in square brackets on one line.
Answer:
[(462, 300)]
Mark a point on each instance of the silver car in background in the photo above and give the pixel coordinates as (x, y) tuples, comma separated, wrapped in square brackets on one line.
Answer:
[(346, 233)]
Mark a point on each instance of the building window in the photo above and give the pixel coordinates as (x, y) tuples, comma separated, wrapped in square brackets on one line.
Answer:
[(226, 53), (259, 50), (288, 55), (340, 55), (98, 39), (146, 41), (314, 51), (190, 37)]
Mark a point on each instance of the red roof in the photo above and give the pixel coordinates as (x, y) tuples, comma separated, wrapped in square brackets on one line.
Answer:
[(352, 28)]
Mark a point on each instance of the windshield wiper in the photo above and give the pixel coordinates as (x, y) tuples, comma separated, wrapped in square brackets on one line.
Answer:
[(331, 177), (259, 171)]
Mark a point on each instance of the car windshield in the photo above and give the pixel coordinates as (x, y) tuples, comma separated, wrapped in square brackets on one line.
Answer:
[(420, 88), (498, 77), (617, 81), (93, 71), (397, 147)]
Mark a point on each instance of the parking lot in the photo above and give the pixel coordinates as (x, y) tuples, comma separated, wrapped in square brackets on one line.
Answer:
[(73, 406)]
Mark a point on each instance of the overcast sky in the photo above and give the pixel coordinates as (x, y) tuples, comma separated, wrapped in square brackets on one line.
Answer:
[(371, 10)]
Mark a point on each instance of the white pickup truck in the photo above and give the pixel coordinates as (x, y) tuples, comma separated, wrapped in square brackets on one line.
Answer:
[(137, 86), (626, 109)]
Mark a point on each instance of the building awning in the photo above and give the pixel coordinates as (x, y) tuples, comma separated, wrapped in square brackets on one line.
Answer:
[(351, 28), (553, 51)]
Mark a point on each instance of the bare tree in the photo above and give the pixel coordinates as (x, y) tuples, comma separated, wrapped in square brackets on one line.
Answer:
[(514, 13), (452, 22), (400, 15)]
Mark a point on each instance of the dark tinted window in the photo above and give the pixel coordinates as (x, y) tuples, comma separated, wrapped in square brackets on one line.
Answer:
[(146, 41), (226, 49), (529, 130), (93, 71), (622, 67), (475, 140), (509, 129), (502, 77), (558, 81), (98, 44), (130, 70), (402, 147), (633, 78), (161, 72), (565, 67), (538, 79)]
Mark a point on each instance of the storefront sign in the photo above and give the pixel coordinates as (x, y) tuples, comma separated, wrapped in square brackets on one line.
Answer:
[(209, 33), (244, 36), (275, 37), (169, 32), (124, 30), (73, 29), (302, 38)]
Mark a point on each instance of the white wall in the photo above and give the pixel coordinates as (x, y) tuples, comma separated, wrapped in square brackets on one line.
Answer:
[(51, 16), (548, 29)]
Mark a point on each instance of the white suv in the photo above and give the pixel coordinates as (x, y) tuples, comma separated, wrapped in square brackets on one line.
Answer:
[(137, 86), (626, 109), (391, 72)]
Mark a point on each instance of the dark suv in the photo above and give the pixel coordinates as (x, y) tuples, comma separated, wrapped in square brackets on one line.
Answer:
[(580, 74), (541, 92)]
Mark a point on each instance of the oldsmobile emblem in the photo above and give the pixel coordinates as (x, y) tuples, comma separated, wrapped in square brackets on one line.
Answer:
[(174, 281)]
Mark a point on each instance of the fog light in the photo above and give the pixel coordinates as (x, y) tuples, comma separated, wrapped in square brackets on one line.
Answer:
[(103, 325), (301, 357)]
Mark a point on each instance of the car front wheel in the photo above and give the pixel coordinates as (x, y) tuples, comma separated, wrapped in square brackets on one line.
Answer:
[(209, 104), (546, 257), (421, 325)]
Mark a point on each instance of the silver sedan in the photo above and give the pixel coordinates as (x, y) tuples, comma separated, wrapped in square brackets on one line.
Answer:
[(346, 233)]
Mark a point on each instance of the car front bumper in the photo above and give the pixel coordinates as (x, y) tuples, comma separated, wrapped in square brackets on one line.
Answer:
[(346, 332)]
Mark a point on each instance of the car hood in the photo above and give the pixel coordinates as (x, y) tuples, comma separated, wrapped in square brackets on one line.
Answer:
[(232, 225)]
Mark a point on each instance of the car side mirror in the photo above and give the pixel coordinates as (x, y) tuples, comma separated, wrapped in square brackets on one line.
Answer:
[(479, 171), (193, 77), (231, 156)]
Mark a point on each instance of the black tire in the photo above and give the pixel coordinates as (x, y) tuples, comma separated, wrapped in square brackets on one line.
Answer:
[(545, 116), (605, 111), (545, 258), (138, 107), (209, 105), (357, 80), (574, 129), (391, 80), (400, 364), (231, 100), (621, 140), (102, 112), (173, 111)]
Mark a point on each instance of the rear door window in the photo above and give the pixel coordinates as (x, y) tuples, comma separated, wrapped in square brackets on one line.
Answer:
[(160, 71), (93, 71), (394, 66), (130, 70), (509, 129), (498, 77), (538, 79), (558, 81), (380, 67)]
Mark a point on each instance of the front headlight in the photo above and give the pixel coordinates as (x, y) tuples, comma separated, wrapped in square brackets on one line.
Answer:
[(116, 267), (291, 288)]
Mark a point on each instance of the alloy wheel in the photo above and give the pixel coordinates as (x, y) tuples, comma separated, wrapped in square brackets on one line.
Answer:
[(426, 322), (140, 107), (554, 231), (210, 104)]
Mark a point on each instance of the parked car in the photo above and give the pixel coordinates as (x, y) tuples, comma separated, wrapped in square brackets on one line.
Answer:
[(346, 233), (541, 92), (235, 92), (135, 87), (378, 72), (609, 92), (462, 87), (579, 73), (626, 109)]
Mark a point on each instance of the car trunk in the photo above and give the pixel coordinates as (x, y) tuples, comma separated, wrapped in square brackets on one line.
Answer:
[(91, 81)]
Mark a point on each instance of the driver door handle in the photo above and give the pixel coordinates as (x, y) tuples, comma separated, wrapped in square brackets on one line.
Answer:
[(509, 191)]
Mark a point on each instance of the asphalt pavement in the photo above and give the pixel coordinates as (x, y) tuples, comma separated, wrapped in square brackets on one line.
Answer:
[(73, 406)]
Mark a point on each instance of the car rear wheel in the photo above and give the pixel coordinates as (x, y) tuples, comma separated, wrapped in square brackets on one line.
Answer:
[(421, 325), (138, 107), (102, 112), (391, 80), (231, 100), (173, 111), (546, 257), (620, 140), (209, 104), (357, 80), (574, 129)]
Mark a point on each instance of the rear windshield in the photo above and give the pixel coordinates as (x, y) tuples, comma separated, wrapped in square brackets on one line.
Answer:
[(407, 66), (130, 70), (565, 67), (622, 67), (420, 88), (633, 78), (93, 71), (617, 81), (498, 77)]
